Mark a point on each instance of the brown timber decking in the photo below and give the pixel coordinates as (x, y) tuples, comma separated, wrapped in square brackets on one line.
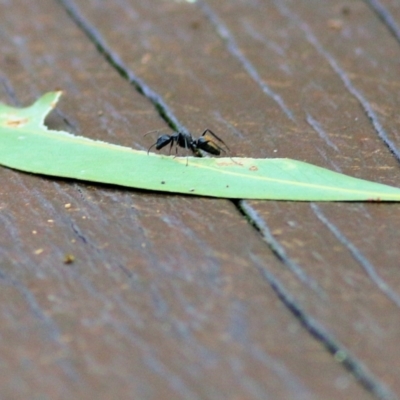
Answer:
[(180, 297)]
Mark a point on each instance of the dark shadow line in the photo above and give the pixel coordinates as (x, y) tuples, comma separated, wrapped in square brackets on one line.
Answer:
[(368, 110), (321, 133), (235, 51), (385, 16), (358, 256), (10, 91), (259, 224), (338, 351)]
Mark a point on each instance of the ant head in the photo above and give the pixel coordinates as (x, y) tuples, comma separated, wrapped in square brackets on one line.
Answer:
[(163, 141)]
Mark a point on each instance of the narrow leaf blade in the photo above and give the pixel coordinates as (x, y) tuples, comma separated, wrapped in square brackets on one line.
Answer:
[(27, 145)]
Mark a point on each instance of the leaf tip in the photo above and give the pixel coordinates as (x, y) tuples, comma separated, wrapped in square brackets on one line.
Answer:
[(57, 95)]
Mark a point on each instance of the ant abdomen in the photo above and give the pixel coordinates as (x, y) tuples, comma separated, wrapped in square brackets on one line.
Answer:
[(207, 146)]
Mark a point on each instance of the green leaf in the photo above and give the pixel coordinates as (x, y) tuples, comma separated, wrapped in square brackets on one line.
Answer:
[(27, 145)]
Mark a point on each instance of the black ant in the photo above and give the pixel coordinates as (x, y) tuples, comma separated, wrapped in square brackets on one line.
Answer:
[(205, 142)]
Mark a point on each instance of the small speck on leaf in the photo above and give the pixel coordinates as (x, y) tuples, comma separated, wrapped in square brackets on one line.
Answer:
[(15, 122)]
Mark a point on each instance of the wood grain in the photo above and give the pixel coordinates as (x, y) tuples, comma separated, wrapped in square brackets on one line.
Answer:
[(181, 297)]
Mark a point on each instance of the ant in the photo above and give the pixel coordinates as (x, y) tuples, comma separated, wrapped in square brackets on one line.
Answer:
[(205, 142)]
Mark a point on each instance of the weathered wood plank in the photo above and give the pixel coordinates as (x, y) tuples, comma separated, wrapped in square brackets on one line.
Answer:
[(308, 80), (165, 298), (363, 281), (365, 300)]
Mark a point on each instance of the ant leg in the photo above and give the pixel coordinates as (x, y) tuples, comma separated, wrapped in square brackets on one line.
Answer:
[(220, 148), (216, 137), (176, 150), (182, 141), (187, 149)]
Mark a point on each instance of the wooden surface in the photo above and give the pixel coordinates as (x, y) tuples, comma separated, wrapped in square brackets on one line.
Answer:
[(179, 297)]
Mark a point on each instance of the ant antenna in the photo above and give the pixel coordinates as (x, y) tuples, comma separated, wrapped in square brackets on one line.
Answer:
[(154, 130), (148, 150)]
